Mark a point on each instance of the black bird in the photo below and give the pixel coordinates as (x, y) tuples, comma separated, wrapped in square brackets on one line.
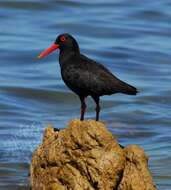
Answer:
[(85, 76)]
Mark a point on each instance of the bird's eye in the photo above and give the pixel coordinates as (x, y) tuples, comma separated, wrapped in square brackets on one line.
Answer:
[(62, 38)]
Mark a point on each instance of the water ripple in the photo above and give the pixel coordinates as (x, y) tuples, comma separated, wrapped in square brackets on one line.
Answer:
[(131, 38)]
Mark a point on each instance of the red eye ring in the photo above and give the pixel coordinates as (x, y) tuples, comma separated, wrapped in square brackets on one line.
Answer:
[(62, 38)]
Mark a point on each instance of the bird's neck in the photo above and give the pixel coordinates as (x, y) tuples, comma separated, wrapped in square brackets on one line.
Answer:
[(66, 54)]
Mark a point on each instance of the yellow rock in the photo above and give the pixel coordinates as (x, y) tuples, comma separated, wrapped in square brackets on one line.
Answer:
[(86, 156)]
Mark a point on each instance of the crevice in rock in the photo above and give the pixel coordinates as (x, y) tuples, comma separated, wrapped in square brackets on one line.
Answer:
[(52, 164), (119, 181), (121, 146), (94, 137), (56, 129), (63, 182), (43, 166), (90, 180)]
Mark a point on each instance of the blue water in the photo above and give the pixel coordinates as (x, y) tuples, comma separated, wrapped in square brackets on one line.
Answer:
[(132, 38)]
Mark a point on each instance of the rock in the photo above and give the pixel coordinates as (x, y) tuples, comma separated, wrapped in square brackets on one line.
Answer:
[(136, 175), (86, 156)]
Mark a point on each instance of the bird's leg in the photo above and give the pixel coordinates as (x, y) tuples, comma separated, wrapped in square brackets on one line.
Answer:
[(83, 108), (97, 100)]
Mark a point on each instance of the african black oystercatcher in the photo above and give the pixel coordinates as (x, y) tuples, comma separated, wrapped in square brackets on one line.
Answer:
[(85, 76)]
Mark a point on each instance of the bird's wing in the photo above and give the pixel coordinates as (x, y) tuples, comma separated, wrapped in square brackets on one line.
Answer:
[(76, 75), (101, 80), (87, 77)]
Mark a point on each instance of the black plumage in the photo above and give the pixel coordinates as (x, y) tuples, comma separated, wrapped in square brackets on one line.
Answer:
[(85, 76)]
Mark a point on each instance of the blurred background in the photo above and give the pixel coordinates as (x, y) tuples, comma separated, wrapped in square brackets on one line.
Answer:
[(130, 37)]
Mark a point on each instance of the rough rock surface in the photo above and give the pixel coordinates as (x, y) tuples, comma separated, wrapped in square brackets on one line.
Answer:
[(86, 156)]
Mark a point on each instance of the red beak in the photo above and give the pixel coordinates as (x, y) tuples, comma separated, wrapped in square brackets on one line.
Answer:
[(49, 50)]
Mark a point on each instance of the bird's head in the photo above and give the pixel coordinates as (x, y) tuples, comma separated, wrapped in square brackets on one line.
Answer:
[(64, 42)]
